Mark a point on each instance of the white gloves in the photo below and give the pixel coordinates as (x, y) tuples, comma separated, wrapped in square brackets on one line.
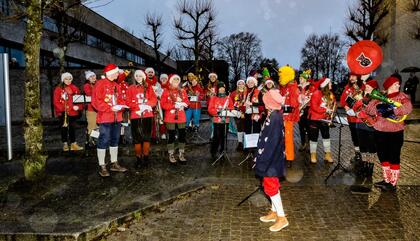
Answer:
[(76, 108), (180, 105), (350, 112), (144, 108), (323, 105), (116, 108)]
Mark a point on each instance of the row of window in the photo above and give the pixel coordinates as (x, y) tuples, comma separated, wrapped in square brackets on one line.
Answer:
[(93, 41)]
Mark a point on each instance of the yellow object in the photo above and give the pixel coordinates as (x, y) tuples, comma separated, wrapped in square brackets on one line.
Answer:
[(286, 74)]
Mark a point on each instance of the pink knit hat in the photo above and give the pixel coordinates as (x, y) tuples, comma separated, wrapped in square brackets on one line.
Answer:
[(272, 100)]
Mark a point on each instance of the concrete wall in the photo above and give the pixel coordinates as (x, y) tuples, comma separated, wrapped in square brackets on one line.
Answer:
[(401, 50)]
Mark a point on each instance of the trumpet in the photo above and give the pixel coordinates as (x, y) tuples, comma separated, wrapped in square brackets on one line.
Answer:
[(65, 97), (331, 110)]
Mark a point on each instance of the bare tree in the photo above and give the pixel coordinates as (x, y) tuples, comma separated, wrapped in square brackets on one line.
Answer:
[(364, 19), (209, 45), (154, 36), (196, 19), (242, 51), (323, 55)]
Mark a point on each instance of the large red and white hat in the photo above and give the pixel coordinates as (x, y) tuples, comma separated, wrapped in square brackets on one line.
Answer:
[(173, 77), (324, 82), (213, 74), (364, 57), (111, 69)]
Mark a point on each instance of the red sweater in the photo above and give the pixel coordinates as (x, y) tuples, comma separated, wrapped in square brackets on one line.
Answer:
[(291, 91), (216, 104), (238, 100), (195, 91), (318, 109), (136, 95), (168, 99), (348, 91), (103, 94), (63, 103), (383, 124), (87, 89)]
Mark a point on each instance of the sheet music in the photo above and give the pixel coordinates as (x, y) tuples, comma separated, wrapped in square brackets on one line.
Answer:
[(79, 99)]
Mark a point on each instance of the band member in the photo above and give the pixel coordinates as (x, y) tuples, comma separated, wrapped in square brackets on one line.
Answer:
[(270, 159), (108, 101), (238, 99), (164, 84), (195, 94), (268, 85), (124, 87), (352, 89), (174, 101), (366, 136), (153, 82), (211, 86), (321, 111), (151, 77), (66, 111), (218, 105), (389, 128), (90, 113), (306, 88), (141, 99), (254, 107), (289, 89)]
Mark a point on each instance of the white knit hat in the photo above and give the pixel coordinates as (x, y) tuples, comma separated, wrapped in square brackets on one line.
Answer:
[(163, 76), (173, 77), (89, 74), (140, 73), (253, 79), (240, 81), (149, 70), (269, 81), (66, 75), (213, 74)]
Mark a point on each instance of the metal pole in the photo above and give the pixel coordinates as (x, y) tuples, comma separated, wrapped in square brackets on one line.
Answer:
[(7, 102)]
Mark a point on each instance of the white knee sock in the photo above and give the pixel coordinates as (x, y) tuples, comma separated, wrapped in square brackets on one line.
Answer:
[(240, 137), (113, 151), (101, 156), (356, 149), (273, 208), (312, 146), (276, 201), (327, 145)]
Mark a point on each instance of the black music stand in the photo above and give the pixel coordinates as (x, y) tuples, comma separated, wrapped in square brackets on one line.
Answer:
[(81, 99), (251, 150), (339, 164), (224, 153)]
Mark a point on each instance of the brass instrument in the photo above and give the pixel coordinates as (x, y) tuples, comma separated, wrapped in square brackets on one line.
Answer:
[(65, 97), (306, 102), (378, 96), (331, 109)]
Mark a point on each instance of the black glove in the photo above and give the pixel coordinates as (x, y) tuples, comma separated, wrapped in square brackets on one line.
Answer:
[(386, 110)]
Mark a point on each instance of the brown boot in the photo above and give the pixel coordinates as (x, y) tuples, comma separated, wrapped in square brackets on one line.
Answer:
[(75, 147), (328, 157), (103, 172), (182, 156), (281, 222), (313, 157), (270, 217), (115, 167), (65, 146)]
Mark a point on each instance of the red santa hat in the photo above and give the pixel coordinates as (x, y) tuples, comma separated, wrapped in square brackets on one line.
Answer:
[(111, 69), (150, 70), (252, 79), (240, 81), (172, 78), (373, 83), (324, 82), (213, 74), (269, 81), (140, 73), (390, 81)]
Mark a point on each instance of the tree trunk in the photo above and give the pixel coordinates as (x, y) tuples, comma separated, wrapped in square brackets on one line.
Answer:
[(35, 159)]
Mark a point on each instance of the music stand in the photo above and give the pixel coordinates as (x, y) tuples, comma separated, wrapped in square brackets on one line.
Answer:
[(250, 154), (339, 120), (224, 154)]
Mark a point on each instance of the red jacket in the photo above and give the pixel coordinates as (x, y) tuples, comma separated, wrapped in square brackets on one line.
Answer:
[(291, 91), (103, 94), (385, 125), (63, 100), (318, 109), (195, 91), (348, 91), (152, 81), (167, 101), (217, 104), (238, 100), (210, 92), (88, 89), (137, 94)]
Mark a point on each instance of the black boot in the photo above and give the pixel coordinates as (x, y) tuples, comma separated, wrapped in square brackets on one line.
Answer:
[(146, 161), (139, 162)]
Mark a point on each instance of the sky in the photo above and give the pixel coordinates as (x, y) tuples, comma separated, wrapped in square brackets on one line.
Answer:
[(282, 25)]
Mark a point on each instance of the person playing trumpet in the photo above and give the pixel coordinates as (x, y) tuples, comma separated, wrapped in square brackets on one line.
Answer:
[(238, 99), (321, 111), (66, 111)]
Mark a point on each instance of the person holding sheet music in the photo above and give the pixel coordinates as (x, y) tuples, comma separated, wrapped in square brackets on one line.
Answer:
[(321, 111), (90, 112), (238, 98), (270, 158), (218, 107), (141, 99), (254, 107), (67, 111), (195, 94), (108, 101), (174, 101)]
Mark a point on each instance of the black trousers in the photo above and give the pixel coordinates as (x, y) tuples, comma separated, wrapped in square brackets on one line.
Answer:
[(315, 127), (389, 146), (353, 133), (141, 130), (304, 126), (172, 128), (68, 134), (218, 137), (367, 142), (252, 126)]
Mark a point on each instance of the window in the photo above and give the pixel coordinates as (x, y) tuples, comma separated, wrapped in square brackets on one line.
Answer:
[(18, 56), (5, 7), (73, 64), (106, 46), (139, 60), (50, 24), (91, 40), (120, 52)]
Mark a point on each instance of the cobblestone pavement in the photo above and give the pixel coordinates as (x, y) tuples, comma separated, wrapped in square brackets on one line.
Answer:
[(315, 211)]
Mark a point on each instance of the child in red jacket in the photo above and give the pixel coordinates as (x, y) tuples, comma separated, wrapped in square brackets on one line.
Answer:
[(66, 111), (90, 112)]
